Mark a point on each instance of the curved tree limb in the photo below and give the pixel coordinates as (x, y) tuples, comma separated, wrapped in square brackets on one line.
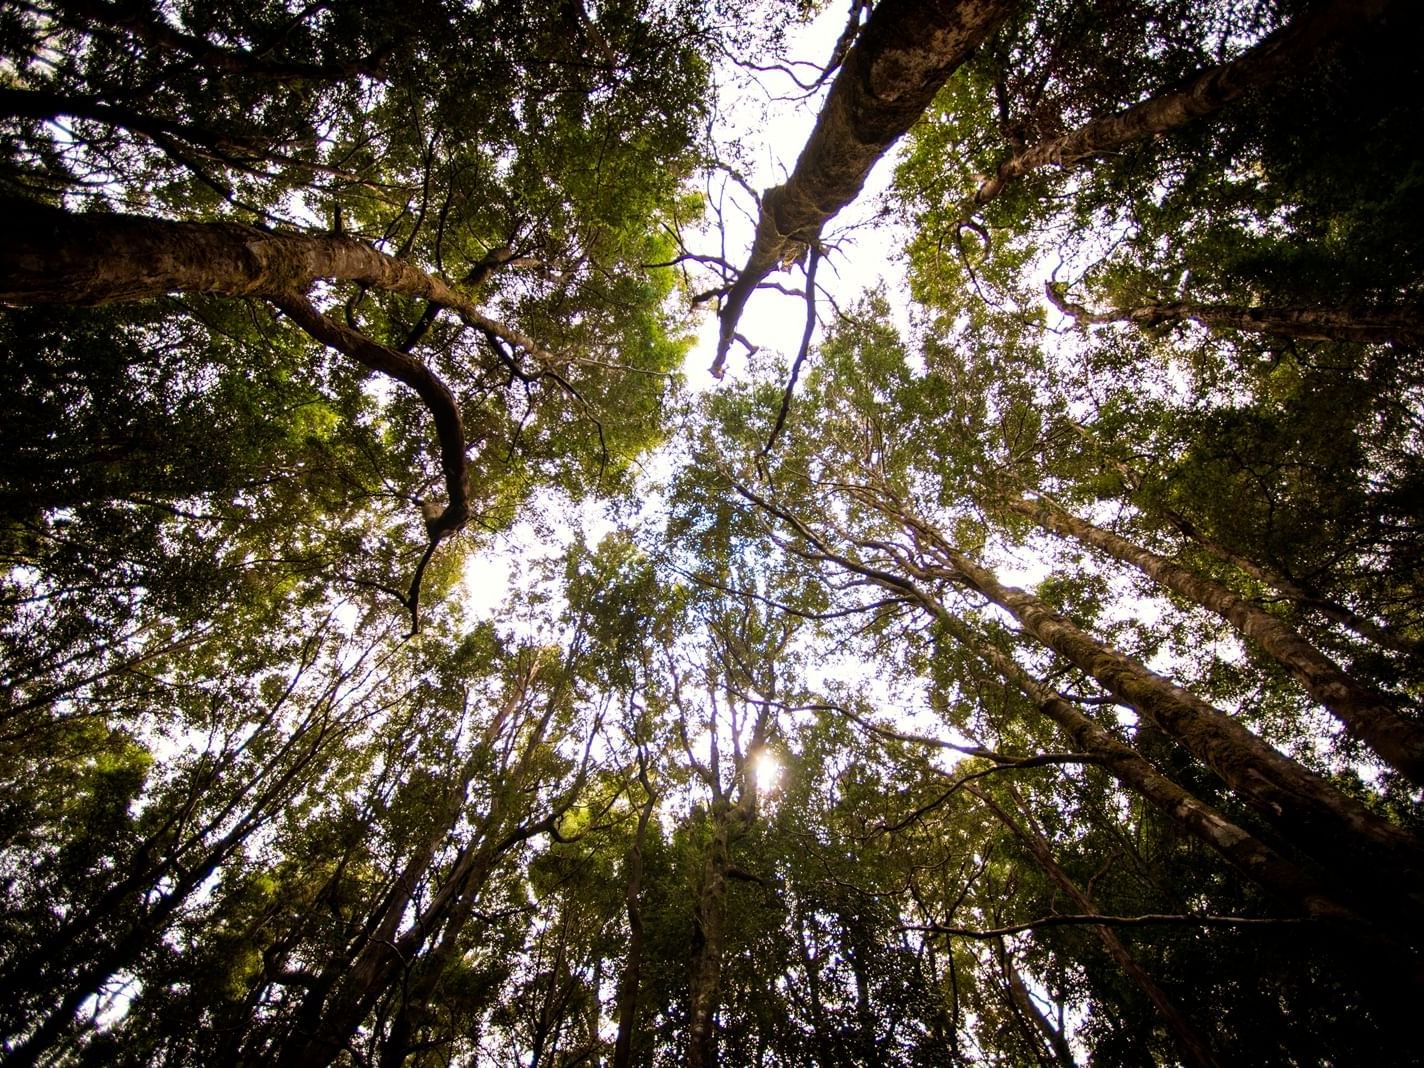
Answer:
[(58, 257), (904, 54), (437, 399), (1212, 89)]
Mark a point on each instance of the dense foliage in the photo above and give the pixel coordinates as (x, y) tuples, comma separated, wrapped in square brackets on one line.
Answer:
[(1030, 670)]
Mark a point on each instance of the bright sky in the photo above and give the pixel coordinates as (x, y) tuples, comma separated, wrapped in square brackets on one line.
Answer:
[(766, 120)]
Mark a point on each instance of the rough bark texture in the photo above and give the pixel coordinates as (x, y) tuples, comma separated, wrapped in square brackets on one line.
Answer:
[(1315, 816), (906, 51), (1403, 326), (1303, 599), (1288, 48), (1373, 717), (710, 934), (1248, 854)]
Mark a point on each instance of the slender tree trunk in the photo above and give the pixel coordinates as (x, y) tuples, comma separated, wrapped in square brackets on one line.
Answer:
[(1304, 600), (709, 936), (1289, 48), (1190, 1042), (91, 978), (905, 52), (1404, 326), (377, 965), (1308, 810), (1371, 716), (1301, 598), (628, 982), (350, 986), (1024, 1005)]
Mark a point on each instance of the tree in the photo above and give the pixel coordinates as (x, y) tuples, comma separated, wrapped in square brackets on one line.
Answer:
[(1026, 670)]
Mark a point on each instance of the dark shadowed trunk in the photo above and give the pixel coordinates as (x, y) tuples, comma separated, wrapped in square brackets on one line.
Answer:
[(1369, 715), (1305, 808), (1288, 49), (1191, 1043), (628, 982), (1372, 325)]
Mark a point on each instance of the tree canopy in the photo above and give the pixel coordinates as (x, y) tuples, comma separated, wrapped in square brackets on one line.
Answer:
[(1025, 669)]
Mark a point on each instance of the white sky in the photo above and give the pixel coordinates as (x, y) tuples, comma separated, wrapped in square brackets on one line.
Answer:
[(766, 123)]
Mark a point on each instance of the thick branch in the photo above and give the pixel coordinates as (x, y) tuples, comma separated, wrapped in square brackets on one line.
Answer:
[(437, 398), (1096, 920), (906, 51), (1366, 325), (1212, 89), (410, 371)]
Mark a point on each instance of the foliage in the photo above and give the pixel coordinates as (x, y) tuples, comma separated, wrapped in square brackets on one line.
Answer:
[(1042, 692)]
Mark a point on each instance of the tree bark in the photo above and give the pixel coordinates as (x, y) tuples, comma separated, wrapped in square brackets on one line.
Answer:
[(904, 54), (1290, 590), (628, 982), (1315, 816), (1371, 716), (1367, 325), (1241, 849), (1288, 48), (1023, 1003), (56, 257)]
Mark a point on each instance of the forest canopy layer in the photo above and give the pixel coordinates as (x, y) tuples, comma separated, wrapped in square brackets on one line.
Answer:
[(1027, 668)]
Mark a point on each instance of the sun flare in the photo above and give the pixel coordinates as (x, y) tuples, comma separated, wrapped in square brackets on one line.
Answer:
[(768, 771)]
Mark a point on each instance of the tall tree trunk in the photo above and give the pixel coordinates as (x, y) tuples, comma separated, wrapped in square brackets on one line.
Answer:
[(628, 981), (1192, 1045), (906, 51), (1309, 811), (90, 980), (1027, 1010), (1292, 591), (51, 256), (1287, 49), (1341, 832), (1303, 599), (1403, 326), (1371, 716), (1239, 847), (709, 936)]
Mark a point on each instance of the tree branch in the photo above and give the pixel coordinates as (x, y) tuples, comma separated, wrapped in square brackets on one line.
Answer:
[(905, 53), (1097, 920)]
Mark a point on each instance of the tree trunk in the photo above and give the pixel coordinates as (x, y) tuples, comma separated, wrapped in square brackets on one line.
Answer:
[(628, 982), (1248, 854), (904, 54), (1371, 325), (709, 936), (1371, 716), (1024, 1006), (1288, 48), (1304, 600), (1191, 1043), (1312, 814)]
